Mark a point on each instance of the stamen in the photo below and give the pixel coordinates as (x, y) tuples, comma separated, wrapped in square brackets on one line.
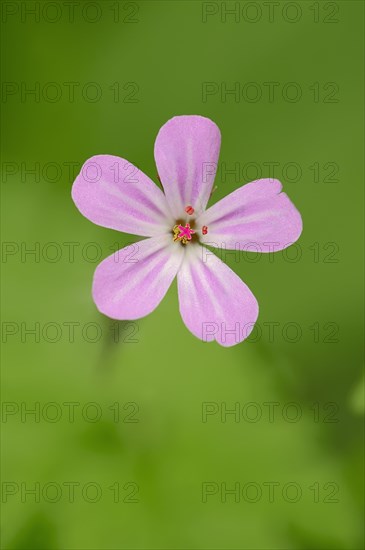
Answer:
[(205, 229), (189, 210)]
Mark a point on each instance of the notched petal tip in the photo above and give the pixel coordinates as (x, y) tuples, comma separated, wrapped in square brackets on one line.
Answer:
[(181, 120)]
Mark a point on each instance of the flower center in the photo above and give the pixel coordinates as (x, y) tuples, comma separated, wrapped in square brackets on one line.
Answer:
[(183, 233), (187, 233)]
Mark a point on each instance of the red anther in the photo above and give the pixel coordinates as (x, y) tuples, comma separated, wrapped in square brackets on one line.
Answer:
[(204, 229), (189, 210)]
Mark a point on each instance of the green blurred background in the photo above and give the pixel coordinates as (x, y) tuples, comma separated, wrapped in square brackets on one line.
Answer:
[(140, 450)]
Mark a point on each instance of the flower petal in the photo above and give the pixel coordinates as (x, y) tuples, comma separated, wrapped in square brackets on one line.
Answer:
[(257, 216), (186, 154), (131, 283), (214, 302), (111, 192)]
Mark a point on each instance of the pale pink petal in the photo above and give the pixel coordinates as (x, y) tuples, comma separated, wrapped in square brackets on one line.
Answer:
[(256, 217), (186, 154), (214, 303), (132, 282), (111, 192)]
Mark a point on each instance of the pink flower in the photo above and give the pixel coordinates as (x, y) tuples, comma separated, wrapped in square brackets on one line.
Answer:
[(214, 303)]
